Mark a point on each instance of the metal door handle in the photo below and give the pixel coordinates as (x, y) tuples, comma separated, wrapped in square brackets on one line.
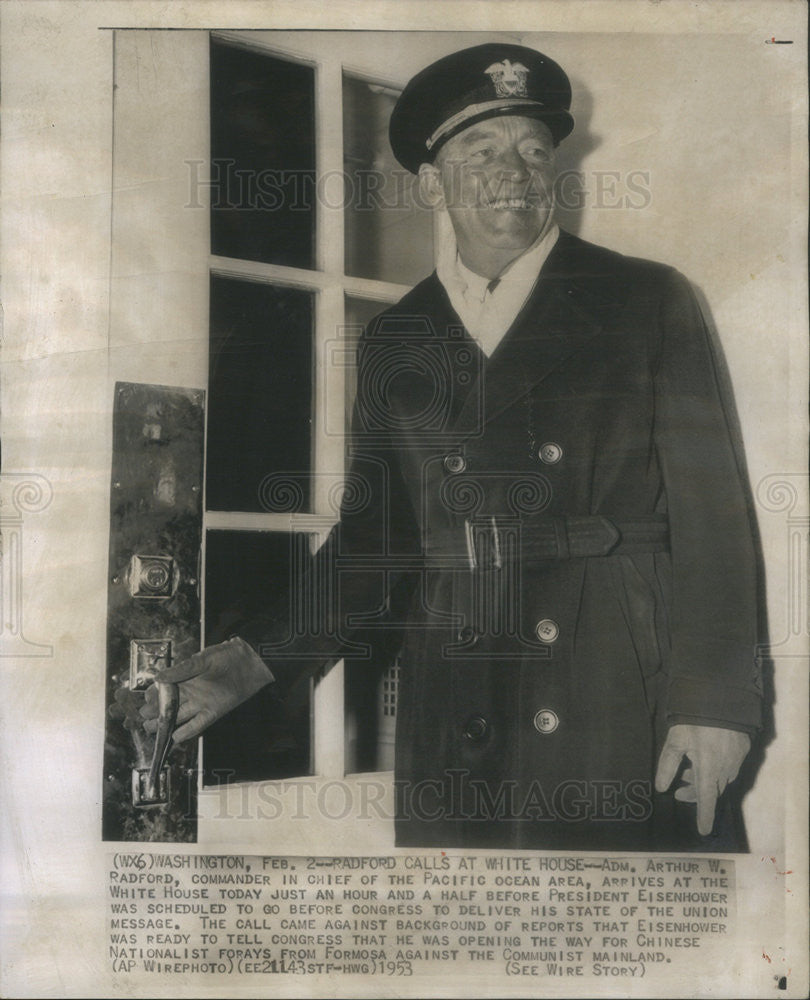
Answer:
[(168, 703), (150, 786)]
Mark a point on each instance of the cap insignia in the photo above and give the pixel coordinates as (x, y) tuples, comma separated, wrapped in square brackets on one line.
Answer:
[(508, 78)]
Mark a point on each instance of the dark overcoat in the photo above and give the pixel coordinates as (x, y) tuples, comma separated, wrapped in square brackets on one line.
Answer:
[(565, 524)]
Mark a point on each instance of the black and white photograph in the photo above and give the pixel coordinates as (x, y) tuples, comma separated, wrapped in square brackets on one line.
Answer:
[(405, 499)]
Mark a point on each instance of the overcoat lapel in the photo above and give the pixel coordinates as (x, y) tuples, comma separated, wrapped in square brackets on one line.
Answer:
[(553, 325)]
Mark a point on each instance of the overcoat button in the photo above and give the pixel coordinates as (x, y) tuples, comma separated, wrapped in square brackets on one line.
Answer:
[(467, 634), (550, 453), (546, 721), (476, 729), (547, 630), (455, 463)]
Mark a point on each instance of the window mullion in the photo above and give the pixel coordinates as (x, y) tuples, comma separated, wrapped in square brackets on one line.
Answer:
[(329, 167), (328, 405), (270, 274)]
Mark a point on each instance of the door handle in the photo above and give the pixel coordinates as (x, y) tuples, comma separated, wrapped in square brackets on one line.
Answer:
[(150, 786), (168, 703)]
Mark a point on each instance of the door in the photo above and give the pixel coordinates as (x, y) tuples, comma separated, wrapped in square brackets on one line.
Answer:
[(263, 224)]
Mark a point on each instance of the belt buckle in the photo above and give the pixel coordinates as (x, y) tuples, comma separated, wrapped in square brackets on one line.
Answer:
[(489, 530)]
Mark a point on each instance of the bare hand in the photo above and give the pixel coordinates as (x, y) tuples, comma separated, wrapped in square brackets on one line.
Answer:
[(212, 683), (715, 755)]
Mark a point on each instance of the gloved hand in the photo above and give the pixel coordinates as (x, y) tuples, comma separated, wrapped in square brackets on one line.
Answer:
[(212, 682), (715, 755)]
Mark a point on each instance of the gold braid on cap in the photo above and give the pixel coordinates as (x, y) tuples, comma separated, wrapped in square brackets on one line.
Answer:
[(472, 110)]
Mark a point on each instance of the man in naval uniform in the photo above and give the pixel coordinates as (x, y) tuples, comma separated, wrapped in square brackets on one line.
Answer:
[(547, 483)]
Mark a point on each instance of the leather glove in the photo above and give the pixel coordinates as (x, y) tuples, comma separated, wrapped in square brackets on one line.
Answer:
[(212, 683), (715, 755)]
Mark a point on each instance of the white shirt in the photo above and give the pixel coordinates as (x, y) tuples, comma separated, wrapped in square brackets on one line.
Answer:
[(488, 314)]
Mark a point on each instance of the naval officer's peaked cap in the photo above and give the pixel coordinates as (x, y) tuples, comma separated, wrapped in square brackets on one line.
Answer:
[(466, 87)]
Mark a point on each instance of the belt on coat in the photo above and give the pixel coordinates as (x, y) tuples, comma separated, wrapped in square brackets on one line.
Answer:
[(486, 542)]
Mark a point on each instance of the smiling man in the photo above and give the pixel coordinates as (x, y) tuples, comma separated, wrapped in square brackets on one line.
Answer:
[(548, 482), (497, 182)]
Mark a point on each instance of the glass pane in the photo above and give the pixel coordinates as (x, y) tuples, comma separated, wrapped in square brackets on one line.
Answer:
[(370, 699), (388, 237), (359, 313), (263, 157), (246, 573), (260, 396)]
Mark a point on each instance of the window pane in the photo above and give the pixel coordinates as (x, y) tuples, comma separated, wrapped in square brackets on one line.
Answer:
[(370, 696), (263, 157), (247, 573), (260, 396), (388, 237), (359, 313)]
